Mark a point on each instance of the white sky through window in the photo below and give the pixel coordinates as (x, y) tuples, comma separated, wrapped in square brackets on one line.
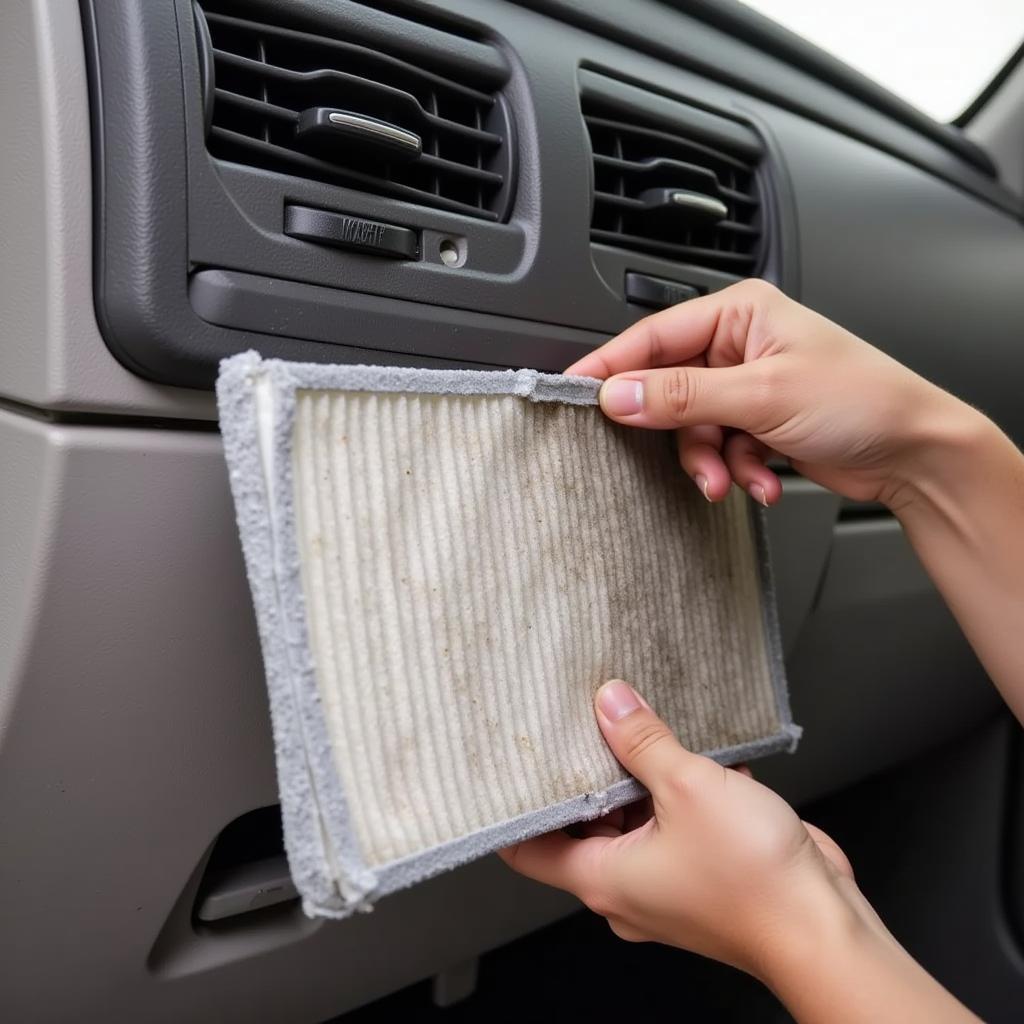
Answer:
[(934, 54)]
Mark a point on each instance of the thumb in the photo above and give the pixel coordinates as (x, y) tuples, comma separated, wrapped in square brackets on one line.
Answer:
[(681, 396), (642, 742)]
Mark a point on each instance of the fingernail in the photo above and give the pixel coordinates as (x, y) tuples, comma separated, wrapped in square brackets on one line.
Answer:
[(622, 397), (757, 493), (702, 482), (617, 699)]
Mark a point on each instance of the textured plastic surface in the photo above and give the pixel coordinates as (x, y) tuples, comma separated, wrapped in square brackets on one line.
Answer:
[(230, 216), (52, 353), (746, 62), (537, 262), (912, 265), (412, 328), (656, 292), (253, 886), (740, 22), (800, 536), (510, 269), (866, 630), (998, 126), (373, 236), (929, 844)]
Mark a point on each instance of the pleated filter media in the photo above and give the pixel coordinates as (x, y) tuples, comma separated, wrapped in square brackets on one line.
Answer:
[(445, 566)]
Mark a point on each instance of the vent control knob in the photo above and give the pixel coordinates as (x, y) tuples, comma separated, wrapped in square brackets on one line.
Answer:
[(324, 128), (347, 232), (657, 292), (697, 204)]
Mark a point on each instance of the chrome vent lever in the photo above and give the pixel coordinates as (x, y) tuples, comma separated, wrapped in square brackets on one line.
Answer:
[(326, 126)]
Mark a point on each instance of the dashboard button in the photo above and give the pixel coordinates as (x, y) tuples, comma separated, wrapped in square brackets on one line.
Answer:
[(346, 232), (657, 292)]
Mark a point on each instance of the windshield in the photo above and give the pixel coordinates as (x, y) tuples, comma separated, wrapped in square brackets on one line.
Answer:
[(934, 55)]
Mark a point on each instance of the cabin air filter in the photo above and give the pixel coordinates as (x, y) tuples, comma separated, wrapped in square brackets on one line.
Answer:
[(445, 566)]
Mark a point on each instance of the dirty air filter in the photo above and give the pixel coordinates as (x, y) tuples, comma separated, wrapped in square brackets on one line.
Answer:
[(445, 566)]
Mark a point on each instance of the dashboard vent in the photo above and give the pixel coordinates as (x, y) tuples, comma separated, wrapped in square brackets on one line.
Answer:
[(347, 112), (671, 192)]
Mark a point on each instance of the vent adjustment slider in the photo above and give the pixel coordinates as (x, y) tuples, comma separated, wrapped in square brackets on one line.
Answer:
[(695, 203), (326, 128)]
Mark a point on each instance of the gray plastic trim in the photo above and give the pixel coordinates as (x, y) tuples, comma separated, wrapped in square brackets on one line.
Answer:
[(999, 127), (331, 315), (52, 354), (900, 675)]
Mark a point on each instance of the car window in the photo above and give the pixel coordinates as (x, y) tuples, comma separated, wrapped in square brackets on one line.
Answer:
[(936, 56)]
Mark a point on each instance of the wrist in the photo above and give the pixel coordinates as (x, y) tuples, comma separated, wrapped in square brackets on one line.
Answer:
[(820, 969), (837, 962), (836, 926), (946, 447)]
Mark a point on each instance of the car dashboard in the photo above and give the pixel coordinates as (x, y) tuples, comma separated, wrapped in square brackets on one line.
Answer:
[(517, 183)]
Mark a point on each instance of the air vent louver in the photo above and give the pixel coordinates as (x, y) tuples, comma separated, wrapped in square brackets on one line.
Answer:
[(670, 192), (269, 83)]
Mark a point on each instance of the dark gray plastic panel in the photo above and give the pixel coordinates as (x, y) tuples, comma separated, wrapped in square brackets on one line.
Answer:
[(874, 230), (51, 352), (800, 531), (1014, 852), (536, 266), (307, 311), (740, 22), (999, 127), (928, 845), (147, 138), (641, 102), (697, 44), (921, 270), (880, 671)]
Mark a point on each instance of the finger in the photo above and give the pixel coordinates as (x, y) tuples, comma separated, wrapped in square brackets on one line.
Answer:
[(662, 339), (557, 859), (700, 455), (743, 769), (716, 323), (642, 742), (684, 396), (745, 456)]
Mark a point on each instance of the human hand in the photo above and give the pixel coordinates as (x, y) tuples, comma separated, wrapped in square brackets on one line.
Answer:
[(719, 864), (746, 371)]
